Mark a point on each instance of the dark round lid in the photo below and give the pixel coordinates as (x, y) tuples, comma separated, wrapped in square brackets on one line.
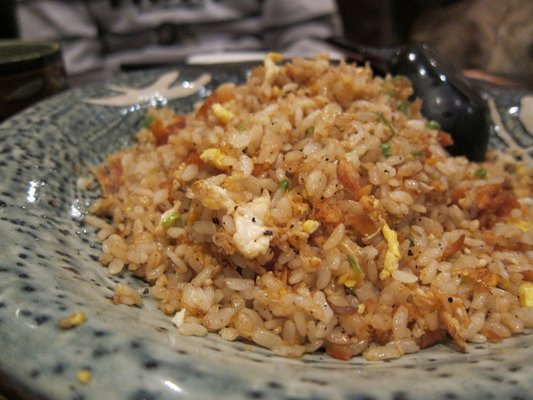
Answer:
[(18, 56)]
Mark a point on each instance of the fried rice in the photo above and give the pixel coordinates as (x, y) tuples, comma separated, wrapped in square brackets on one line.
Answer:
[(314, 208)]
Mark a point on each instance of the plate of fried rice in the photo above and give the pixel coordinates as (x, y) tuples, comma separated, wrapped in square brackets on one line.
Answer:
[(291, 230)]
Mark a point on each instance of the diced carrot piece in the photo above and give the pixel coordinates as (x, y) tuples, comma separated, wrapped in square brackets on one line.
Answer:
[(444, 139), (160, 132)]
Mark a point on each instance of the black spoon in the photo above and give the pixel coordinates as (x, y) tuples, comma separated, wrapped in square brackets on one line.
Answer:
[(447, 97)]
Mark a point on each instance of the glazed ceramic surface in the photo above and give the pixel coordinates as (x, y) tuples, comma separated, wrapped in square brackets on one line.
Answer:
[(49, 269)]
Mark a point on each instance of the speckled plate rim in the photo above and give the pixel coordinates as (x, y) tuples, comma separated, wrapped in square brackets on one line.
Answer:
[(49, 268)]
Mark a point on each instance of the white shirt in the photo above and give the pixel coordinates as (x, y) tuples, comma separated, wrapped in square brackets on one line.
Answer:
[(102, 35)]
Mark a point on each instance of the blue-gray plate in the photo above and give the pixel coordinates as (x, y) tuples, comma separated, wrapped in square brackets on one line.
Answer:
[(49, 269)]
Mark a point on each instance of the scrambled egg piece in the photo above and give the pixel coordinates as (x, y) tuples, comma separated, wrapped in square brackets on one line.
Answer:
[(309, 226), (275, 56), (523, 225), (251, 236), (354, 275), (349, 279), (392, 256), (215, 157), (210, 195), (84, 376), (525, 293), (223, 114), (78, 318), (271, 69)]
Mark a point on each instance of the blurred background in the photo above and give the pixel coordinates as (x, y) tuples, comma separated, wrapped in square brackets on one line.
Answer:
[(485, 38)]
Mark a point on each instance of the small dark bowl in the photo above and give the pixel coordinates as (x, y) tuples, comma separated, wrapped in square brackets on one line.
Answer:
[(29, 71)]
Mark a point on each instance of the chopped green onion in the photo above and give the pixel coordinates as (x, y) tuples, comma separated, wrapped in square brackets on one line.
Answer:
[(417, 153), (309, 131), (398, 78), (480, 173), (172, 218), (284, 184), (354, 266), (241, 127), (433, 125), (403, 107), (149, 121), (411, 242), (385, 150), (384, 119)]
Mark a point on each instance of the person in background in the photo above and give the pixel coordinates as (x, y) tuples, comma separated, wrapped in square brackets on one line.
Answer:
[(99, 37)]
